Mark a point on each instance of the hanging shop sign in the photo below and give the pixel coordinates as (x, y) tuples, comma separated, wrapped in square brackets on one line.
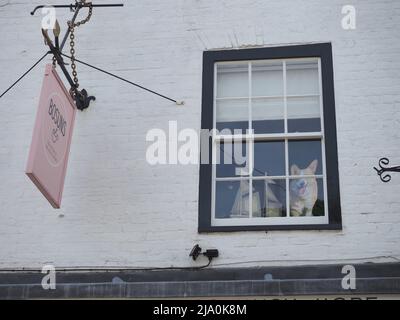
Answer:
[(51, 141)]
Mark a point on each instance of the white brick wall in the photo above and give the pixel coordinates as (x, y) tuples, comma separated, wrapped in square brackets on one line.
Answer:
[(119, 211)]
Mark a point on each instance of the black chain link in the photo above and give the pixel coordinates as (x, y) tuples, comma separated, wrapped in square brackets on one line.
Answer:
[(72, 27)]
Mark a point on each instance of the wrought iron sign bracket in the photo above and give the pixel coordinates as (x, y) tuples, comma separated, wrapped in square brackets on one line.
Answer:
[(383, 163), (81, 97), (76, 6)]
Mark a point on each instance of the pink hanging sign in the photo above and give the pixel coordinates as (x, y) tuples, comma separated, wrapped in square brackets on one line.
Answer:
[(49, 151)]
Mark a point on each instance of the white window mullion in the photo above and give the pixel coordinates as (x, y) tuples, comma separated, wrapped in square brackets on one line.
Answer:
[(215, 97), (250, 143), (287, 181), (249, 101), (251, 167), (214, 146), (214, 180), (285, 112)]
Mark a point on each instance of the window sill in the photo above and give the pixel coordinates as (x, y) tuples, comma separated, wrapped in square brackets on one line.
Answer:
[(316, 227)]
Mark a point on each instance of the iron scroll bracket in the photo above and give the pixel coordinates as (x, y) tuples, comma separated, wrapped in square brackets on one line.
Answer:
[(383, 167)]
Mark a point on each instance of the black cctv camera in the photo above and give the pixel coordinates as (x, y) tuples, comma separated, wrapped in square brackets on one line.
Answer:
[(210, 253), (195, 252)]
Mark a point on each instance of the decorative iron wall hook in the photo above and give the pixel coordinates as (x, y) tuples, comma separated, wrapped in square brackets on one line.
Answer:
[(383, 162)]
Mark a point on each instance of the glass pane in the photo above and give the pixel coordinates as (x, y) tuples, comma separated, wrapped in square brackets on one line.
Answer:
[(272, 194), (233, 80), (302, 77), (307, 197), (232, 114), (269, 158), (268, 115), (232, 199), (305, 157), (303, 114), (232, 159), (267, 78)]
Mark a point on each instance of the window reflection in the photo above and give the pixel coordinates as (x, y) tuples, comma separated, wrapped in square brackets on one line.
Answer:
[(267, 78), (272, 197), (269, 158), (241, 205), (232, 114), (268, 115), (233, 80), (305, 157), (302, 77), (226, 192), (303, 114), (232, 159)]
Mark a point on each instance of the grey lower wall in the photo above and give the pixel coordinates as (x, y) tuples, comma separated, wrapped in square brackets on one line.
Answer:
[(372, 280)]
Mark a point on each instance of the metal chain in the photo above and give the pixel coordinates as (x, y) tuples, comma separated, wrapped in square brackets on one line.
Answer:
[(72, 40)]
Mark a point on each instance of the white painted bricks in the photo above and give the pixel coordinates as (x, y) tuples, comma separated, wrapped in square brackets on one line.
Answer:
[(120, 211)]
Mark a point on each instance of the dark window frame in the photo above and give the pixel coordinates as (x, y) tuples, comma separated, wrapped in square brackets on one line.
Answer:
[(324, 52)]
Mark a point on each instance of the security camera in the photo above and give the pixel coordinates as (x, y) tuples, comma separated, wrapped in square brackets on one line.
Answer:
[(195, 252), (210, 253)]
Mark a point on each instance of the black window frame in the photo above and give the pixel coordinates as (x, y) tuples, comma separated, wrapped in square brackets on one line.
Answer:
[(320, 50)]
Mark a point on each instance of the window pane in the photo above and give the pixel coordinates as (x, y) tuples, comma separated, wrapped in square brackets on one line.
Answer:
[(232, 199), (232, 114), (272, 194), (232, 159), (305, 157), (268, 115), (306, 197), (232, 80), (267, 78), (302, 77), (269, 158), (303, 114)]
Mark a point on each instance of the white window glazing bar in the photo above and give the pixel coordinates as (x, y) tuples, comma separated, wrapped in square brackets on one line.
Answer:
[(239, 178), (214, 146), (285, 116), (285, 112), (270, 136), (249, 143)]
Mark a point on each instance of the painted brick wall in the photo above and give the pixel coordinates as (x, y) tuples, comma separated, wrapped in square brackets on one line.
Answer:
[(120, 211)]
